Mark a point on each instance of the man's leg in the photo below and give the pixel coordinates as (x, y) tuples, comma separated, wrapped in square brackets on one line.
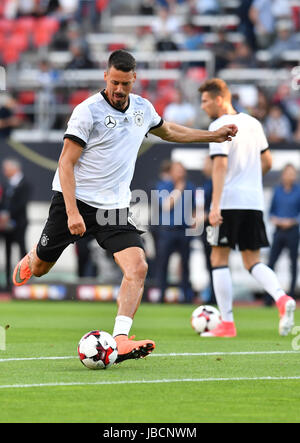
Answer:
[(267, 278), (184, 249), (293, 245), (8, 249), (276, 249), (133, 264), (30, 265), (165, 247), (222, 283)]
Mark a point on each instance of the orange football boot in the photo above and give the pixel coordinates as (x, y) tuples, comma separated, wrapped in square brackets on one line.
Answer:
[(22, 272), (128, 348), (286, 307), (224, 329)]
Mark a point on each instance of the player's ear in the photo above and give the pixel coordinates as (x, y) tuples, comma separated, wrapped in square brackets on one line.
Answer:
[(105, 76), (134, 77), (219, 100)]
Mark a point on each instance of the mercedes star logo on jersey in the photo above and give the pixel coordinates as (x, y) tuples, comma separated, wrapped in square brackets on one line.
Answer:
[(110, 122)]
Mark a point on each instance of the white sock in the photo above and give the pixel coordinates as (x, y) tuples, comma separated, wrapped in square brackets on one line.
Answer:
[(267, 278), (122, 325), (223, 291)]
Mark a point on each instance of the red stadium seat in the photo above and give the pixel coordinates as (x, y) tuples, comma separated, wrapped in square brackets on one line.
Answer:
[(6, 26), (41, 37), (18, 41), (44, 30), (197, 74), (49, 24), (26, 97), (25, 24), (115, 46), (101, 5), (296, 16), (165, 83), (10, 55), (78, 97)]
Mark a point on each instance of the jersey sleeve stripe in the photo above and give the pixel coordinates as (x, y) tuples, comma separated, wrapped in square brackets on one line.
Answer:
[(264, 150), (78, 140), (218, 155), (157, 126)]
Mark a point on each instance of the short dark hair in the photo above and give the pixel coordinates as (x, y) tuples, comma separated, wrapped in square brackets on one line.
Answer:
[(122, 61), (216, 87)]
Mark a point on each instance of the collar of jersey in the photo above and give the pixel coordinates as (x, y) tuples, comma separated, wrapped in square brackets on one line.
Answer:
[(117, 109)]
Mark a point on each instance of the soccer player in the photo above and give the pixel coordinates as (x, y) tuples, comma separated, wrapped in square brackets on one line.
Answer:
[(92, 184), (236, 214)]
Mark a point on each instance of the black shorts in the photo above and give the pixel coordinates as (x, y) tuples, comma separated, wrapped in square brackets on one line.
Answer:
[(241, 228), (116, 236)]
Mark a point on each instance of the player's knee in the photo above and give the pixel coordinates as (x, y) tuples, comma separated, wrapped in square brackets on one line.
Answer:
[(138, 271), (216, 260)]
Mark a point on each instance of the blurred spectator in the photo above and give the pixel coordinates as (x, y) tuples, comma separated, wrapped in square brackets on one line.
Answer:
[(147, 7), (281, 9), (180, 111), (85, 264), (277, 126), (297, 133), (88, 10), (169, 4), (64, 10), (145, 40), (193, 39), (165, 24), (285, 216), (164, 177), (67, 36), (13, 211), (207, 6), (223, 49), (261, 110), (26, 7), (284, 41), (172, 236), (246, 26), (208, 295), (8, 118), (262, 17), (289, 101), (80, 59), (45, 98), (243, 57)]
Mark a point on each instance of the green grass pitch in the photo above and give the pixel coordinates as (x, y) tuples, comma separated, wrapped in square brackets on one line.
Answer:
[(252, 378)]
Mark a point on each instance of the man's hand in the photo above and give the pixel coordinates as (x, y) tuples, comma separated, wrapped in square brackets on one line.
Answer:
[(76, 224), (215, 218), (225, 133)]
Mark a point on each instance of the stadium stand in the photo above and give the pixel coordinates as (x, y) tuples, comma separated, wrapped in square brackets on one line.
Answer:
[(175, 49)]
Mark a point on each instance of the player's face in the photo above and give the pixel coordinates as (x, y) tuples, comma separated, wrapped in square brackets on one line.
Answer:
[(210, 105), (119, 84)]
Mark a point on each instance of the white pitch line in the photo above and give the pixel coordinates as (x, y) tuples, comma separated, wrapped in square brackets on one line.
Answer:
[(184, 354), (128, 382), (3, 360)]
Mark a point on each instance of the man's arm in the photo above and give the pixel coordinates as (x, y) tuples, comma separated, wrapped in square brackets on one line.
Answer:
[(70, 155), (172, 132), (219, 171), (266, 161)]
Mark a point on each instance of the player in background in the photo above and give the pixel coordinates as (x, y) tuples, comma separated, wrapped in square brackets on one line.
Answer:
[(236, 214), (101, 144)]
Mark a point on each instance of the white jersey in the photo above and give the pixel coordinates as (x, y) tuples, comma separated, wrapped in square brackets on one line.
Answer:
[(243, 187), (111, 140)]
